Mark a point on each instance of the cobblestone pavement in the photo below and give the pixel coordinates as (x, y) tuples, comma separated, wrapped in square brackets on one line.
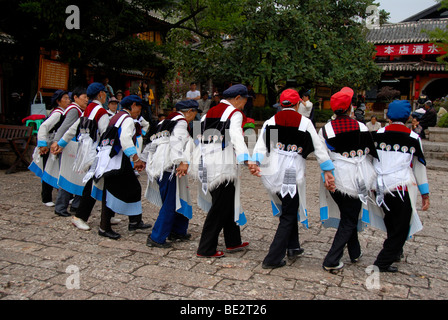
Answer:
[(44, 257)]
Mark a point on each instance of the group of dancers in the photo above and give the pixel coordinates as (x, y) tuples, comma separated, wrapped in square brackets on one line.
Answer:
[(367, 178)]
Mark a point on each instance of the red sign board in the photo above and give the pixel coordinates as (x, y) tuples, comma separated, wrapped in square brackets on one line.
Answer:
[(408, 49)]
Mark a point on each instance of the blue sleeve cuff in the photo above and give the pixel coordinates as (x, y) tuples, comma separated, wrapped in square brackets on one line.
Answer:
[(130, 151), (423, 188), (258, 157), (327, 166), (62, 143), (42, 143), (243, 157)]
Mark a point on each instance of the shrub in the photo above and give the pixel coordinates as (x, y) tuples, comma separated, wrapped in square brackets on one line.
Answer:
[(443, 122), (322, 115)]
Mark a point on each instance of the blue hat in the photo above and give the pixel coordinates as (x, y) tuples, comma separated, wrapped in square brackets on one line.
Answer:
[(399, 110), (236, 90), (57, 95), (188, 104), (129, 100), (94, 88)]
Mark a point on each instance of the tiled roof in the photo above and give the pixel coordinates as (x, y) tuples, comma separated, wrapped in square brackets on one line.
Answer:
[(414, 66), (405, 32), (6, 38)]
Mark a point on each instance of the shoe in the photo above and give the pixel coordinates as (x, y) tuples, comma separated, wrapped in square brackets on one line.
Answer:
[(80, 224), (334, 269), (294, 253), (63, 214), (181, 237), (138, 225), (114, 220), (152, 243), (399, 257), (73, 209), (237, 248), (109, 234), (49, 204), (391, 269), (357, 259), (218, 254), (273, 266)]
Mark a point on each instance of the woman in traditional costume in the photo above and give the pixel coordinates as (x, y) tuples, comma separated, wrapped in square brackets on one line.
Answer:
[(350, 146), (168, 159), (45, 165), (401, 169), (281, 150)]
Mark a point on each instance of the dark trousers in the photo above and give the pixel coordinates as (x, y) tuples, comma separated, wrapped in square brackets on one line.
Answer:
[(86, 203), (107, 214), (47, 189), (397, 222), (168, 220), (347, 233), (287, 235), (220, 217), (63, 200)]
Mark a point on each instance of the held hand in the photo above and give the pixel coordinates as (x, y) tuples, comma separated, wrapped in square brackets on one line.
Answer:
[(54, 148), (425, 203), (182, 169), (139, 165), (329, 181), (43, 150), (254, 169)]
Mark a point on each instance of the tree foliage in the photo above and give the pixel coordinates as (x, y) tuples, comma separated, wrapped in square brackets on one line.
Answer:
[(311, 41)]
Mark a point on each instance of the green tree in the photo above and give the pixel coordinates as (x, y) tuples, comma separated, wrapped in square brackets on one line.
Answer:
[(106, 35), (440, 36), (311, 41)]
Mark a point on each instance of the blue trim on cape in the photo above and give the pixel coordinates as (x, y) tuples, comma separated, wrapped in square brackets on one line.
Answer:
[(121, 207), (70, 187), (185, 210), (33, 167), (242, 219), (96, 193), (323, 213), (52, 181)]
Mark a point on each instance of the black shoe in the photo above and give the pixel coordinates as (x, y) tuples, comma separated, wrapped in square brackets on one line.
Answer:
[(109, 234), (294, 253), (152, 243), (63, 214), (73, 209), (388, 269), (356, 259), (273, 266), (133, 226), (181, 237), (399, 257), (334, 269)]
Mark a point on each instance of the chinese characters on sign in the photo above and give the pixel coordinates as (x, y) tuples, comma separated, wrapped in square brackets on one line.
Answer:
[(408, 49), (53, 75)]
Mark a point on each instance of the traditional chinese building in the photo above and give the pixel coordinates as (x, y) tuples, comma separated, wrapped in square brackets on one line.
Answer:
[(408, 57)]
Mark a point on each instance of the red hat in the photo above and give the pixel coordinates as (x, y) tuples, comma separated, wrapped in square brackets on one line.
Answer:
[(341, 100), (289, 98)]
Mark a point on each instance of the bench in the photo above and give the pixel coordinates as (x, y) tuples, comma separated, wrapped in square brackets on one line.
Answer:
[(16, 139)]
